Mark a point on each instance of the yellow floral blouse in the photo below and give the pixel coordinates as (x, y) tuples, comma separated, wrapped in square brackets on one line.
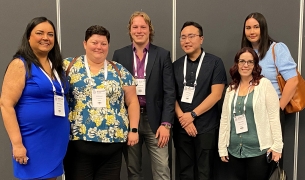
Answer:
[(107, 125)]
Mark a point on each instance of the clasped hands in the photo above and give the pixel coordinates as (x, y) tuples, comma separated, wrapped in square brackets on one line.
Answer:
[(186, 121)]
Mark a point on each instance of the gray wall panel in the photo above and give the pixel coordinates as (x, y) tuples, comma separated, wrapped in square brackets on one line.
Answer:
[(14, 16), (114, 16)]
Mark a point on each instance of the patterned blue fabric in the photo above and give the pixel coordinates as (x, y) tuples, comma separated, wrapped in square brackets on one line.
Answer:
[(108, 124)]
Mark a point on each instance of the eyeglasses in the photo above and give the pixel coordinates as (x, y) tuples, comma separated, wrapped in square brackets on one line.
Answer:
[(190, 37), (243, 62)]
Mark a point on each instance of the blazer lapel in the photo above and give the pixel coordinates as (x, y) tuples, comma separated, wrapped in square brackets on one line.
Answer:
[(152, 54), (129, 60)]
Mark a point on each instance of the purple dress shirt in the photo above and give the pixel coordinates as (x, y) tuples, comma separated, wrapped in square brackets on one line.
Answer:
[(140, 70)]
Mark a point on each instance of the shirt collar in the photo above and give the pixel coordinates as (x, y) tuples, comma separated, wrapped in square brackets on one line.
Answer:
[(198, 58), (146, 48)]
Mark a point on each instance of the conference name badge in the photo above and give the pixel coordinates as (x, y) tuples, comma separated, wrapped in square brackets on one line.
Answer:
[(99, 98)]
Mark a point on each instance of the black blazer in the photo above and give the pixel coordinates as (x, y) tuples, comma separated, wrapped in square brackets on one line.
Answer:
[(160, 86)]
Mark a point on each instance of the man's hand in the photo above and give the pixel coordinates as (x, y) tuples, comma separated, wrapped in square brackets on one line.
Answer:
[(186, 119), (163, 134), (191, 130)]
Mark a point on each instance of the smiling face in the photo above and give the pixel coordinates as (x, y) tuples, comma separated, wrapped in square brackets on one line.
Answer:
[(41, 38), (252, 31), (245, 65), (191, 41), (96, 47), (139, 31)]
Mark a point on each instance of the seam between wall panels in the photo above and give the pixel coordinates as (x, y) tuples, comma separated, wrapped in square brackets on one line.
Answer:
[(174, 32), (58, 23), (58, 29), (297, 117), (174, 51)]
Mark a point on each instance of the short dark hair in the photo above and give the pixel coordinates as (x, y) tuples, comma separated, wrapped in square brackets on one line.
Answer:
[(97, 29), (27, 53), (256, 73), (265, 40), (191, 23)]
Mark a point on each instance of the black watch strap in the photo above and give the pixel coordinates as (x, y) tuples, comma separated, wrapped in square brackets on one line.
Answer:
[(193, 114), (134, 130)]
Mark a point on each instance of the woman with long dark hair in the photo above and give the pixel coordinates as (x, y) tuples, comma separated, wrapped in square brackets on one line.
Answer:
[(33, 104), (256, 36)]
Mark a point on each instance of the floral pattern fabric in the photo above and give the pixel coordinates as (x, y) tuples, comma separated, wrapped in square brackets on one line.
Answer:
[(109, 124)]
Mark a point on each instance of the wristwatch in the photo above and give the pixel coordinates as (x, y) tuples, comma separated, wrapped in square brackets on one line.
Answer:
[(193, 114), (167, 125), (134, 130)]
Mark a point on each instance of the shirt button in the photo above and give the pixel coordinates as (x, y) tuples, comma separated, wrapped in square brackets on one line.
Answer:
[(240, 144), (240, 136)]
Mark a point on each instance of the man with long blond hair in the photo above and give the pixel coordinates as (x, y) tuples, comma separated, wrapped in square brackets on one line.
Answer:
[(152, 68)]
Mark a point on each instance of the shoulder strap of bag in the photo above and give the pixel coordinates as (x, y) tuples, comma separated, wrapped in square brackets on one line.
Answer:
[(115, 67), (273, 55), (70, 65)]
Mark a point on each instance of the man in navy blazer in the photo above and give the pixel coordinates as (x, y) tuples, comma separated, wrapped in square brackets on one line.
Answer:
[(152, 68)]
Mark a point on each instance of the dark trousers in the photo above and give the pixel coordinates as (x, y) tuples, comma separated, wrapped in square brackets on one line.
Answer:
[(254, 168), (195, 155), (86, 160)]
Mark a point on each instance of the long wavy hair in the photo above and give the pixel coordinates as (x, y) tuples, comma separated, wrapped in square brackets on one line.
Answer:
[(29, 56), (256, 73), (265, 40)]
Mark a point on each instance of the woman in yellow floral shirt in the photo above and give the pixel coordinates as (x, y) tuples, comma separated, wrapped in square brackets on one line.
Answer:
[(100, 123)]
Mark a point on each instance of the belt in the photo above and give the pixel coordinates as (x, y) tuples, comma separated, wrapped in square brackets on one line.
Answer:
[(143, 109)]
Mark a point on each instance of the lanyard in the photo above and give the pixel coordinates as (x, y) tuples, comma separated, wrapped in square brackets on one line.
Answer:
[(245, 100), (89, 73), (135, 64), (57, 77), (197, 71)]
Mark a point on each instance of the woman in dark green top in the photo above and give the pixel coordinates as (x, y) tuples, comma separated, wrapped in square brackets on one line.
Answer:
[(250, 125)]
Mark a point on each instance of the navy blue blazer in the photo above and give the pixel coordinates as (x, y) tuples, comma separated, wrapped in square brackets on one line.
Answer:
[(160, 85)]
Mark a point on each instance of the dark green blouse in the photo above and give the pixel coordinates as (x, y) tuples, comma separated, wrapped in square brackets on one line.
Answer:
[(244, 145)]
